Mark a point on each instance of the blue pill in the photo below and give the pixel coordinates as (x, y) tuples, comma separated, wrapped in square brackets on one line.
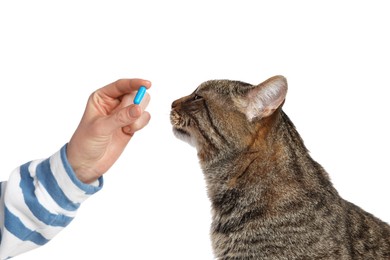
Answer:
[(140, 95)]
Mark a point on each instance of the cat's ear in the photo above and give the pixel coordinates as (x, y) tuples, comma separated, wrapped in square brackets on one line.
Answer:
[(262, 100)]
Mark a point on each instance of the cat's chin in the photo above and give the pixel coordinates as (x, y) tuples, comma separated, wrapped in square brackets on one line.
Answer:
[(184, 136)]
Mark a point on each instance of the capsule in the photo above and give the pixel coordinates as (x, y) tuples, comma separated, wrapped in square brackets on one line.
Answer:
[(140, 95)]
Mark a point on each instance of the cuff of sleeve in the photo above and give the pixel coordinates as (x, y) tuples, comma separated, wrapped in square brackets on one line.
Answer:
[(74, 189), (88, 188)]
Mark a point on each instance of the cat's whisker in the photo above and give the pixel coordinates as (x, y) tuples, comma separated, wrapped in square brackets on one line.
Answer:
[(270, 199)]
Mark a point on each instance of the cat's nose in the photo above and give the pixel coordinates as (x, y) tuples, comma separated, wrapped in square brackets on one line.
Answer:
[(175, 103)]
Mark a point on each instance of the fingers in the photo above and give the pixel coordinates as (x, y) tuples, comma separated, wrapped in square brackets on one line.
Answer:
[(132, 117), (123, 86), (140, 123), (128, 99), (145, 101)]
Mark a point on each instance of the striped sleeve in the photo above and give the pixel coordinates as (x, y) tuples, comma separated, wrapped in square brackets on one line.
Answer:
[(40, 198)]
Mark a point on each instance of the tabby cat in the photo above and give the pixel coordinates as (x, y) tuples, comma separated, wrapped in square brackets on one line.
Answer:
[(270, 199)]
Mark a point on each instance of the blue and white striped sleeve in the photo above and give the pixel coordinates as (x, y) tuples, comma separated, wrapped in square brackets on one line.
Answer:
[(39, 199)]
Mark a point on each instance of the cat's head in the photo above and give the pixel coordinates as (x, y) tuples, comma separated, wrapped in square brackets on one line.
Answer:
[(223, 116)]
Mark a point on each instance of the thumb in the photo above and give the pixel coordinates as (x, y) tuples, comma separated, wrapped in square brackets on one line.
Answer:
[(123, 117)]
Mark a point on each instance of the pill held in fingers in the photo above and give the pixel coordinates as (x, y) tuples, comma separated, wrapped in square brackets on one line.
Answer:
[(140, 95)]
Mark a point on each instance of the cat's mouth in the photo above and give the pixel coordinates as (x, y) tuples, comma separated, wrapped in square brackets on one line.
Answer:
[(184, 136), (178, 124), (180, 133), (178, 128), (178, 121)]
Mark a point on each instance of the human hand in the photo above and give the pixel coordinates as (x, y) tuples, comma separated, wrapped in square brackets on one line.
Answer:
[(109, 122)]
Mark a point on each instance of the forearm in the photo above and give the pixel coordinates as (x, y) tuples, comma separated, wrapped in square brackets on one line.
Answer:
[(40, 199)]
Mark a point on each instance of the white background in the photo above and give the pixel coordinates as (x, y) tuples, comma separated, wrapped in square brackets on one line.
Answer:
[(53, 54)]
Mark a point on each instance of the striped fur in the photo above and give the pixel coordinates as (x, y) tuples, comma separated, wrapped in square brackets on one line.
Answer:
[(270, 199)]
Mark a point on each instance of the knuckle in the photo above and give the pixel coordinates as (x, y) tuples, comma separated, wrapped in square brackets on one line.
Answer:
[(122, 117)]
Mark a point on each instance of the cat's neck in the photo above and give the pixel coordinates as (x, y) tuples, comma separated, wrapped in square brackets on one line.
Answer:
[(275, 142), (277, 159)]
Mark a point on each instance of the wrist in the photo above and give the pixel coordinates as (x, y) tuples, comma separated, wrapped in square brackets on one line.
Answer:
[(75, 182), (82, 171), (85, 174)]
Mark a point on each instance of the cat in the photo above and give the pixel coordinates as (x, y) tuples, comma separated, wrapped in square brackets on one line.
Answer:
[(269, 198)]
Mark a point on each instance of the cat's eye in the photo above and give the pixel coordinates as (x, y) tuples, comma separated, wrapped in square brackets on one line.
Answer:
[(197, 97)]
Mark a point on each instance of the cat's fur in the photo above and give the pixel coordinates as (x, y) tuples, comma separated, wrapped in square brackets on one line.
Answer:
[(270, 199)]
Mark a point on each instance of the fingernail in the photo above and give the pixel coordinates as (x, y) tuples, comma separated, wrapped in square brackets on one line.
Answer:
[(127, 130), (134, 111)]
